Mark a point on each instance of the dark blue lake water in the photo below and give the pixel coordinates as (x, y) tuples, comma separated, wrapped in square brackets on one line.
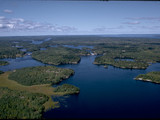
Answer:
[(21, 62), (104, 93), (108, 93), (78, 47)]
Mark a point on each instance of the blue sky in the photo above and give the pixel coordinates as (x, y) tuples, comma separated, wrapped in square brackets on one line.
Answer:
[(31, 17)]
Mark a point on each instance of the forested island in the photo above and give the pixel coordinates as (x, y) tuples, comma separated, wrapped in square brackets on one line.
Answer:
[(3, 63), (106, 60), (59, 55), (67, 89), (151, 77), (40, 75)]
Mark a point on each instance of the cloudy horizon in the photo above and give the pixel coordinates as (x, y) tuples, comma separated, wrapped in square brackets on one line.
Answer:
[(74, 18)]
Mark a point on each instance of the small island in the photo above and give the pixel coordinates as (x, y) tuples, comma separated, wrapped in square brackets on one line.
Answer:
[(67, 89), (151, 77), (3, 63)]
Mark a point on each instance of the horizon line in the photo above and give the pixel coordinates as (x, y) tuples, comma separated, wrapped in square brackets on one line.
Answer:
[(78, 35)]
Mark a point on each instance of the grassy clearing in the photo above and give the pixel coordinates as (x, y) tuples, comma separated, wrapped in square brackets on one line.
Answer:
[(46, 89)]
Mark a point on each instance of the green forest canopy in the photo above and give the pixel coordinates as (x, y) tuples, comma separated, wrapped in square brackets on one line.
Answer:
[(153, 76), (40, 75), (67, 89), (20, 104)]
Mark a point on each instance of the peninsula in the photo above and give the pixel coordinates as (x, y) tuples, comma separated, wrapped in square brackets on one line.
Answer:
[(150, 77), (28, 91)]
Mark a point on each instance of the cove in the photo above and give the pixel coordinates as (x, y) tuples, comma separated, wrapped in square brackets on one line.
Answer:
[(21, 62)]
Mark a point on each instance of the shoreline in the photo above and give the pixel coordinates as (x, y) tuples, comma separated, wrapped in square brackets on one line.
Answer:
[(146, 80)]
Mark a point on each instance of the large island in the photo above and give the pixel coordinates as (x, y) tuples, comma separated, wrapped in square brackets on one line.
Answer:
[(59, 55), (40, 75)]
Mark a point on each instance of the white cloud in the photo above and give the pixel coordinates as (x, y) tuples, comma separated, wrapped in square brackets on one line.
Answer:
[(107, 29), (100, 29), (7, 11), (2, 17), (1, 25), (155, 27), (132, 23), (143, 18), (19, 24), (11, 26), (145, 29)]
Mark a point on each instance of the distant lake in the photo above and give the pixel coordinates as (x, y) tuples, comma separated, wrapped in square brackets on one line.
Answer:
[(79, 46), (20, 62), (36, 42)]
